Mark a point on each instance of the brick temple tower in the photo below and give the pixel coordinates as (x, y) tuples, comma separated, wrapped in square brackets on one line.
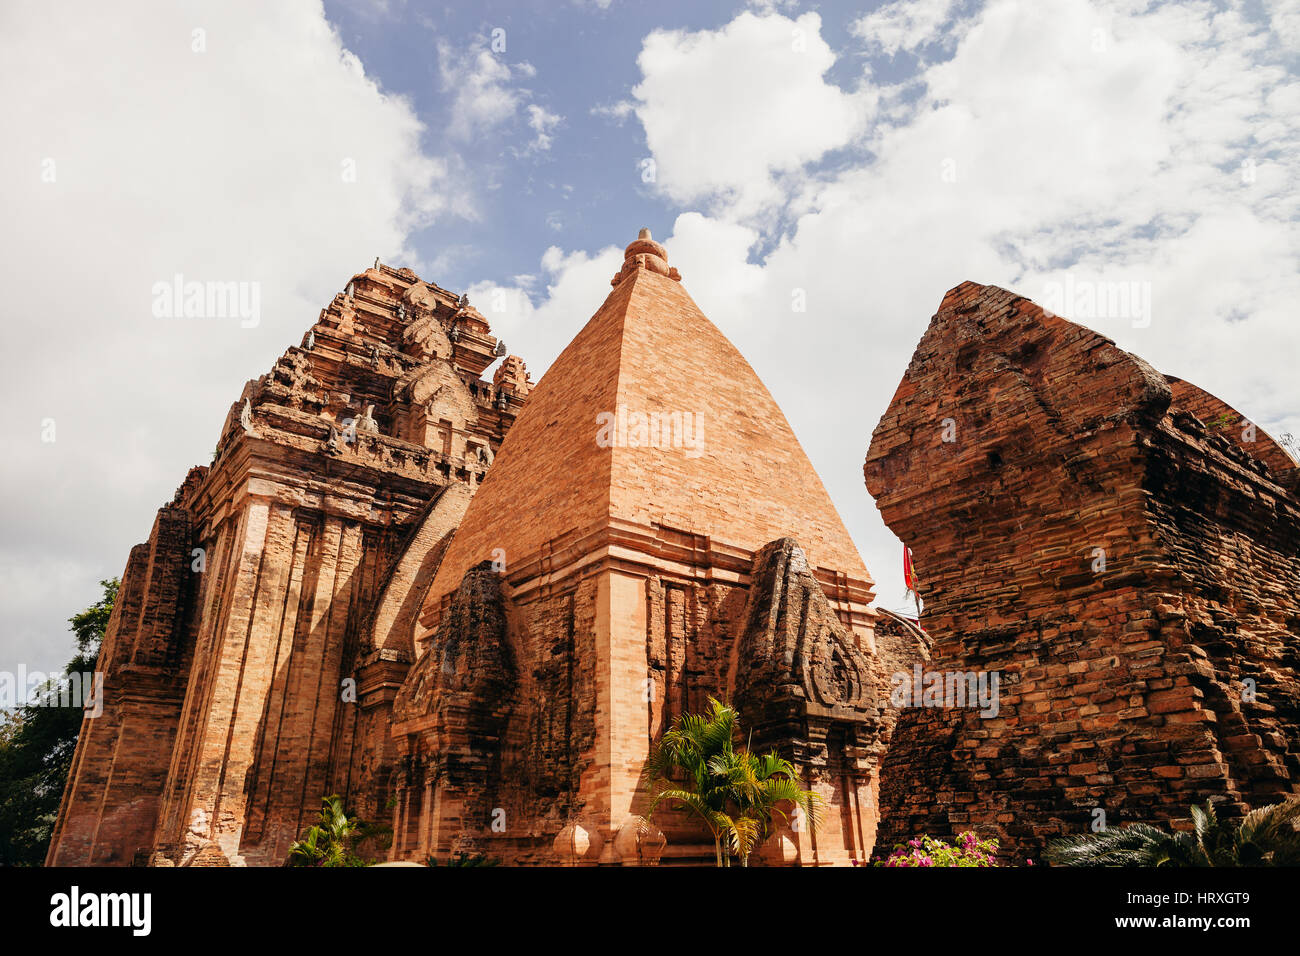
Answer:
[(262, 632), (388, 588), (632, 552)]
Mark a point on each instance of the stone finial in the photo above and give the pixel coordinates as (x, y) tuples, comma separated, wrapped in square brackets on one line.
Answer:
[(638, 841), (644, 253), (575, 844), (644, 233), (311, 340), (246, 418)]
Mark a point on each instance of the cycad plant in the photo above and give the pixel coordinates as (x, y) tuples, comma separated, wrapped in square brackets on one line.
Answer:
[(465, 859), (1264, 837), (735, 792), (333, 839)]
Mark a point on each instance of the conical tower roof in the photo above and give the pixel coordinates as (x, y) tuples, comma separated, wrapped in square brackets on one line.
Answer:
[(577, 458)]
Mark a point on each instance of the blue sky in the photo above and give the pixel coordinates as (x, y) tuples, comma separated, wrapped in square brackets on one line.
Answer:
[(860, 159), (586, 189), (584, 58)]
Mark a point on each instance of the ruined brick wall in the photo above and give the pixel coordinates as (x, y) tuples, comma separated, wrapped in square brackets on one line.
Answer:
[(691, 630), (551, 740), (1124, 569)]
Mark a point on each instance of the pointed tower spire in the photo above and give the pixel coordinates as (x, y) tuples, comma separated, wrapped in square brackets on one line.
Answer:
[(643, 475), (651, 416)]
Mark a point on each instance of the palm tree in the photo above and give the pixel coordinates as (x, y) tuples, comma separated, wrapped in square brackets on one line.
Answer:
[(734, 792), (1264, 837), (332, 841)]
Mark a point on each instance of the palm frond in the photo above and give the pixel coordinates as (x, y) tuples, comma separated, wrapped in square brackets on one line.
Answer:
[(1135, 845), (1269, 835)]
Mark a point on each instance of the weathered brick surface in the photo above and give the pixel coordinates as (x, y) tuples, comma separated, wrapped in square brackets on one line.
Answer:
[(1122, 685), (649, 350), (457, 700), (243, 689), (119, 768), (637, 580), (345, 634)]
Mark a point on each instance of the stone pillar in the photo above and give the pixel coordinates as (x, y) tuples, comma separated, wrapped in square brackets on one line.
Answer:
[(623, 705)]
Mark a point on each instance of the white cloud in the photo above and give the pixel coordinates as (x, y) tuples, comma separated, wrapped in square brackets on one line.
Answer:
[(542, 122), (1284, 18), (1100, 140), (904, 25), (482, 86), (574, 290), (227, 164), (618, 112), (726, 112), (487, 95)]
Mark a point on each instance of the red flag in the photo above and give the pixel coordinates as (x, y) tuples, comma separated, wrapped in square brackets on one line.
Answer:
[(910, 579)]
